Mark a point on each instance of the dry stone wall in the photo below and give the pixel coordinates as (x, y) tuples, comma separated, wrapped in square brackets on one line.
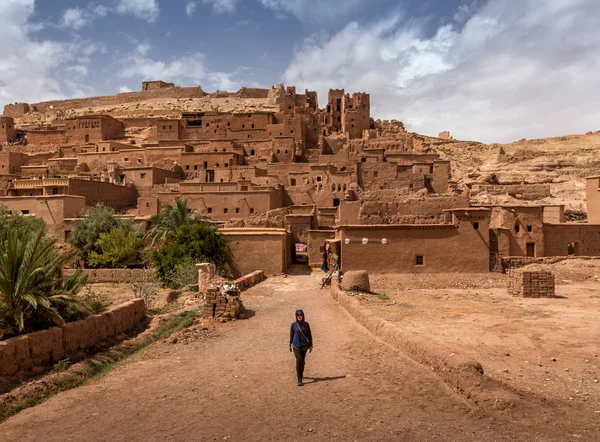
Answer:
[(46, 347), (109, 275)]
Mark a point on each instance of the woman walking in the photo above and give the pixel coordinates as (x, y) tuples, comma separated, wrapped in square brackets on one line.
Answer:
[(300, 343)]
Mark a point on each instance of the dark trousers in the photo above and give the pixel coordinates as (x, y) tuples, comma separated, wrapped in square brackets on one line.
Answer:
[(300, 354)]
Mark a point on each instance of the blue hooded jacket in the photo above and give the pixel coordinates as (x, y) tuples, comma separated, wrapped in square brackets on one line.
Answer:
[(300, 335)]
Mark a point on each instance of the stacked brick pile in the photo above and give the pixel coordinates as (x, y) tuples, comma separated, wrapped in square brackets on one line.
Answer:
[(222, 306), (531, 284)]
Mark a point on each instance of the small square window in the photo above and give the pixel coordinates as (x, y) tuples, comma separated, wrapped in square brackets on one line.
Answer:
[(253, 126), (364, 160), (187, 167), (517, 228), (243, 126), (125, 159), (530, 228), (226, 164), (476, 225), (195, 167), (147, 205), (209, 209), (237, 210), (419, 260), (292, 181), (142, 175), (251, 209), (318, 178), (225, 210)]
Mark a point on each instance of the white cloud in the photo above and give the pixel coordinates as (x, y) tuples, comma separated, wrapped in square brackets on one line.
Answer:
[(34, 70), (77, 18), (190, 7), (143, 9), (222, 6), (315, 12), (123, 89), (515, 69), (186, 69)]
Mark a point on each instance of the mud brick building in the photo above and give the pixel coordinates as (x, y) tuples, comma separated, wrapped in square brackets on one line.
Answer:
[(272, 167)]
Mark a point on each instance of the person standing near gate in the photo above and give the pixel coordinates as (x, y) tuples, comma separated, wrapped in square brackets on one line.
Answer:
[(300, 343)]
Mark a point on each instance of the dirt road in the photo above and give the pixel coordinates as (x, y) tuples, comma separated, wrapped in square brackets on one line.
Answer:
[(241, 386)]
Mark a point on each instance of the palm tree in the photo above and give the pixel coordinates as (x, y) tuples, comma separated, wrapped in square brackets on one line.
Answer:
[(32, 289), (167, 223)]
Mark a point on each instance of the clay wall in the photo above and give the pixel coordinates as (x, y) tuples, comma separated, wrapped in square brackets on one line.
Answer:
[(593, 199), (101, 161), (524, 225), (356, 116), (204, 126), (95, 276), (148, 176), (16, 110), (441, 175), (284, 149), (12, 162), (571, 239), (163, 157), (458, 247), (316, 242), (148, 206), (47, 347), (239, 122), (222, 206), (389, 207), (46, 137), (93, 129), (98, 192), (166, 129), (53, 209), (258, 249), (154, 85), (7, 129)]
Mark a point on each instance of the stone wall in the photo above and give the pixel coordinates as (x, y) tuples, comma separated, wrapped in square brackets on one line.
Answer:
[(46, 347), (531, 284)]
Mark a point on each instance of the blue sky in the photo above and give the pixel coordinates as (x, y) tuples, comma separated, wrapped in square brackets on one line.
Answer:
[(491, 70)]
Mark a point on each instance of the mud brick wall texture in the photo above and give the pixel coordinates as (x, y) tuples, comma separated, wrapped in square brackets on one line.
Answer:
[(531, 284), (46, 347)]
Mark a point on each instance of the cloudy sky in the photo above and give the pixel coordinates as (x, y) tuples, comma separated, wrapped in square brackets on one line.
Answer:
[(488, 70)]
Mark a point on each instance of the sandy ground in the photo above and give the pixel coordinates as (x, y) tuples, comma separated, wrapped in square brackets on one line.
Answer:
[(547, 346), (241, 386)]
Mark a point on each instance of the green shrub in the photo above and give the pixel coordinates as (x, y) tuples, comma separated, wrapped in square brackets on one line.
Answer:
[(121, 247), (193, 243), (86, 232)]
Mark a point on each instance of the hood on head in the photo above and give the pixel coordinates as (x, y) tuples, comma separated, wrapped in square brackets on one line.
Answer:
[(300, 312)]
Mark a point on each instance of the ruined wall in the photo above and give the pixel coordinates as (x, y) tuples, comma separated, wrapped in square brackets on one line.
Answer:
[(16, 110), (97, 192), (258, 249), (459, 247), (47, 347)]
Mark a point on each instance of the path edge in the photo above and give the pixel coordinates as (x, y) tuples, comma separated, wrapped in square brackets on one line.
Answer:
[(462, 374)]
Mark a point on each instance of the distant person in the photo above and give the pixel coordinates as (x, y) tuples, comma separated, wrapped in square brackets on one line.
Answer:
[(300, 343)]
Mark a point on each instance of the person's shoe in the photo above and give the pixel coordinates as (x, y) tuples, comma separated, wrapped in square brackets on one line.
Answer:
[(300, 382)]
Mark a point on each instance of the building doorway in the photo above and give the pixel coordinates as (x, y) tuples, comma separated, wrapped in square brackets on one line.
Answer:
[(531, 249), (573, 249)]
